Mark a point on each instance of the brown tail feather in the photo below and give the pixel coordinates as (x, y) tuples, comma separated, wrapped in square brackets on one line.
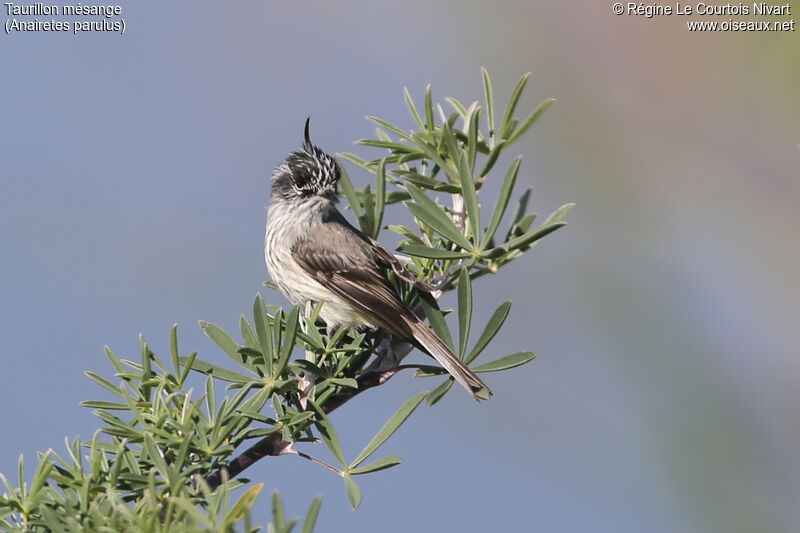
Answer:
[(442, 353)]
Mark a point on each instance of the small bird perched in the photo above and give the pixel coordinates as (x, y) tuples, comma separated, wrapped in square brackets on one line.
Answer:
[(314, 255)]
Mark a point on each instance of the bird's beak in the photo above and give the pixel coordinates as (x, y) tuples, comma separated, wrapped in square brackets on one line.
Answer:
[(330, 194)]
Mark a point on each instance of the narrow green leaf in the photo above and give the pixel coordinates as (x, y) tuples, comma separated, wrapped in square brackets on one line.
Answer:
[(522, 226), (114, 359), (381, 464), (222, 340), (211, 398), (388, 428), (531, 120), (419, 250), (470, 198), (472, 138), (529, 238), (434, 216), (263, 332), (429, 108), (502, 201), (359, 162), (489, 95), (439, 392), (436, 320), (412, 108), (353, 492), (111, 406), (458, 106), (492, 159), (514, 100), (380, 198), (387, 126), (396, 148), (243, 505), (504, 363), (289, 336), (431, 152), (464, 310), (248, 334), (217, 371), (188, 364), (559, 214), (278, 514), (492, 327), (173, 349), (349, 192), (450, 143), (155, 455), (311, 517), (367, 222), (328, 434), (103, 382)]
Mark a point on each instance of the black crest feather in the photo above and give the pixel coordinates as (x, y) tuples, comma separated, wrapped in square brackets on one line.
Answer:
[(308, 145)]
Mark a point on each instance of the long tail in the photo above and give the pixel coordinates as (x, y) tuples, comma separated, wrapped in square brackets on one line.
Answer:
[(442, 353)]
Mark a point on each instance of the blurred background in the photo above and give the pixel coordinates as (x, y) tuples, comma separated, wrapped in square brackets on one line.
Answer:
[(134, 173)]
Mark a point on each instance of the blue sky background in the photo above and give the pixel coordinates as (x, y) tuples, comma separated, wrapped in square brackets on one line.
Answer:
[(134, 172)]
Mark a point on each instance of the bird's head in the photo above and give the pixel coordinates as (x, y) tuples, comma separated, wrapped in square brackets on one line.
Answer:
[(309, 174)]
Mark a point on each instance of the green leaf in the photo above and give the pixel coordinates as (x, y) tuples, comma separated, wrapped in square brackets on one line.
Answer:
[(248, 334), (436, 320), (514, 100), (453, 151), (458, 106), (387, 126), (439, 392), (217, 371), (472, 138), (353, 492), (470, 197), (111, 406), (349, 192), (389, 428), (412, 108), (311, 517), (431, 253), (464, 310), (103, 382), (492, 327), (559, 214), (381, 464), (278, 513), (531, 120), (395, 147), (290, 333), (361, 163), (243, 505), (380, 198), (526, 240), (173, 349), (504, 363), (487, 91), (328, 434), (434, 216), (222, 340), (502, 201), (492, 159), (429, 108), (155, 455), (263, 332)]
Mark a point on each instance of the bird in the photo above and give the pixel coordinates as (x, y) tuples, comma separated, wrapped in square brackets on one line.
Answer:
[(313, 254)]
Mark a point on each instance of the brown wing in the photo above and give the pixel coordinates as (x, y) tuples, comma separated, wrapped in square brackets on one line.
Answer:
[(345, 263), (381, 254)]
